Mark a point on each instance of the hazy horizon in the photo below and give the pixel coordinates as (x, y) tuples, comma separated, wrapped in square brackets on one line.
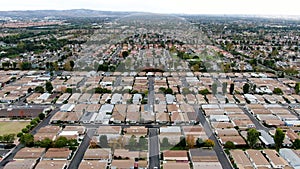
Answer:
[(243, 7)]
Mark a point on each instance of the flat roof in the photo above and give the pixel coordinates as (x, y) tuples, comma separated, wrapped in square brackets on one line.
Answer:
[(203, 155), (136, 130), (89, 164), (21, 164), (52, 164), (126, 153), (170, 129), (275, 158), (257, 157), (175, 153), (122, 164), (32, 153), (97, 154), (109, 130), (58, 153), (172, 165), (240, 158)]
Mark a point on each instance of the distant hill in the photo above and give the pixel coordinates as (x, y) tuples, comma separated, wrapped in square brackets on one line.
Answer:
[(62, 13)]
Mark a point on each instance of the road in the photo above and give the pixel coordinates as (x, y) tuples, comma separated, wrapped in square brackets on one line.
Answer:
[(185, 84), (153, 148), (75, 162), (257, 124), (151, 93), (118, 81), (209, 132), (43, 123)]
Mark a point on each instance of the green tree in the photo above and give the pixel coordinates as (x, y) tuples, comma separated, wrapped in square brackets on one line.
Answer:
[(69, 90), (132, 145), (297, 88), (5, 64), (125, 54), (25, 130), (204, 92), (46, 143), (29, 90), (168, 91), (231, 89), (214, 88), (20, 134), (165, 142), (27, 139), (277, 91), (39, 89), (103, 141), (296, 144), (61, 142), (278, 138), (162, 89), (103, 67), (224, 87), (41, 116), (8, 138), (33, 122), (182, 142), (25, 65), (143, 143), (252, 137), (209, 143), (199, 142), (229, 144), (246, 88), (72, 64), (49, 87)]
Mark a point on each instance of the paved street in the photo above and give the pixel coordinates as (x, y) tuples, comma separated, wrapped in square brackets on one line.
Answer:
[(218, 148), (257, 124), (81, 149), (154, 160), (151, 93), (153, 142), (118, 81), (185, 84)]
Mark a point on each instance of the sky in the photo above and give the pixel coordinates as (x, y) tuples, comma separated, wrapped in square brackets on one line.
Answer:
[(258, 7)]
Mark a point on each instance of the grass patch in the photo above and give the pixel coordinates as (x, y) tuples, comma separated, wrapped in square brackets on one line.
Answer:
[(12, 127)]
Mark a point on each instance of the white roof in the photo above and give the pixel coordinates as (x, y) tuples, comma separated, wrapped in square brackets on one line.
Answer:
[(170, 98), (266, 138), (210, 106), (141, 78), (44, 96), (137, 96), (68, 133), (219, 118), (67, 107), (170, 129), (106, 108), (250, 96), (116, 98), (294, 123), (290, 156)]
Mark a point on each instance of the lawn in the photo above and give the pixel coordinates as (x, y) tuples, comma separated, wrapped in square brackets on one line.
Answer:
[(13, 127)]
